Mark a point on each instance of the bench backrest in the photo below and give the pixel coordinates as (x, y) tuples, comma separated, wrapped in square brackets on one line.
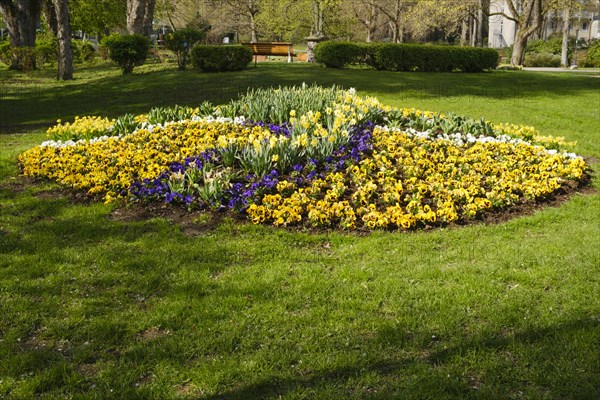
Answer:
[(271, 48)]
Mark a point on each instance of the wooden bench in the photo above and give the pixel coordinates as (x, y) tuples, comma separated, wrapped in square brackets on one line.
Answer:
[(272, 49)]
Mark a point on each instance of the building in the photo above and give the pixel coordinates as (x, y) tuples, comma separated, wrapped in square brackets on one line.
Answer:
[(502, 31)]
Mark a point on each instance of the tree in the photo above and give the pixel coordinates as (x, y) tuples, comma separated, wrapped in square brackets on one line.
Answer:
[(527, 16), (368, 15), (281, 20), (140, 14), (567, 8), (63, 35), (22, 18), (393, 10), (474, 23), (564, 55), (97, 16)]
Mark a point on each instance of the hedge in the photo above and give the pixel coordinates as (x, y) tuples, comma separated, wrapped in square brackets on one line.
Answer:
[(221, 58), (408, 57), (339, 54)]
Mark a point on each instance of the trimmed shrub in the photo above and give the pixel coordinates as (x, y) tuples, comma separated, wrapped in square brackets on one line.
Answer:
[(221, 58), (541, 60), (5, 52), (181, 42), (593, 54), (339, 54), (407, 57), (128, 51), (412, 57)]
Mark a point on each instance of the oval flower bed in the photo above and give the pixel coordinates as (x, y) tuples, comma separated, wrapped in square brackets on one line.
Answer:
[(310, 156)]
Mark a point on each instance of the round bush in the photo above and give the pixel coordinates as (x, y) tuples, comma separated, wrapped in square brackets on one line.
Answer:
[(593, 54), (221, 58), (128, 51)]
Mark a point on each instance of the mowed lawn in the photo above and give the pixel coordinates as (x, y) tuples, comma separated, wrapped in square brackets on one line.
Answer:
[(97, 305)]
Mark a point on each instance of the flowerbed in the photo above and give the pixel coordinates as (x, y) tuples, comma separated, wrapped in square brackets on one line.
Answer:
[(310, 156)]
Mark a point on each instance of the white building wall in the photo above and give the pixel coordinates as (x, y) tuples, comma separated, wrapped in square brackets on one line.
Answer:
[(501, 30)]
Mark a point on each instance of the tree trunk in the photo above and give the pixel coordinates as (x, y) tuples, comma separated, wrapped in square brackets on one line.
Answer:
[(528, 23), (564, 54), (50, 14), (518, 53), (474, 29), (480, 24), (140, 14), (372, 23), (63, 35), (22, 18), (464, 32), (398, 22), (318, 18), (253, 33)]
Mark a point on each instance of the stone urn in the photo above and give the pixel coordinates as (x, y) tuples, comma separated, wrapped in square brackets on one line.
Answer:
[(311, 43)]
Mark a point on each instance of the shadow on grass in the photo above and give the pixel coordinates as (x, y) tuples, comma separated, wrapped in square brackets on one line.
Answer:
[(435, 381), (30, 107)]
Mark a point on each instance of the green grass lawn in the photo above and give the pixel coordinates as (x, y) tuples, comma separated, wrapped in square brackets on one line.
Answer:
[(95, 306)]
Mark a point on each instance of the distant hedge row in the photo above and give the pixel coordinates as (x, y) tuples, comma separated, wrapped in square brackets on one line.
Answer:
[(406, 57)]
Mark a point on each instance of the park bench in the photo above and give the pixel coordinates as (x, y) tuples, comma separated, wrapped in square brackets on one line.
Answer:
[(272, 49)]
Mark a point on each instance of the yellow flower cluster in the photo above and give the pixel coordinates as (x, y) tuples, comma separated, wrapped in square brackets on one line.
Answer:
[(111, 165), (81, 128), (411, 182)]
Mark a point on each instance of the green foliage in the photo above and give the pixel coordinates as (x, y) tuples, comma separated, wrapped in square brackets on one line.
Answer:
[(541, 60), (593, 54), (46, 51), (552, 46), (181, 42), (26, 56), (275, 105), (128, 51), (5, 52), (160, 115), (86, 51), (221, 58), (411, 57), (125, 124), (97, 16), (339, 54)]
